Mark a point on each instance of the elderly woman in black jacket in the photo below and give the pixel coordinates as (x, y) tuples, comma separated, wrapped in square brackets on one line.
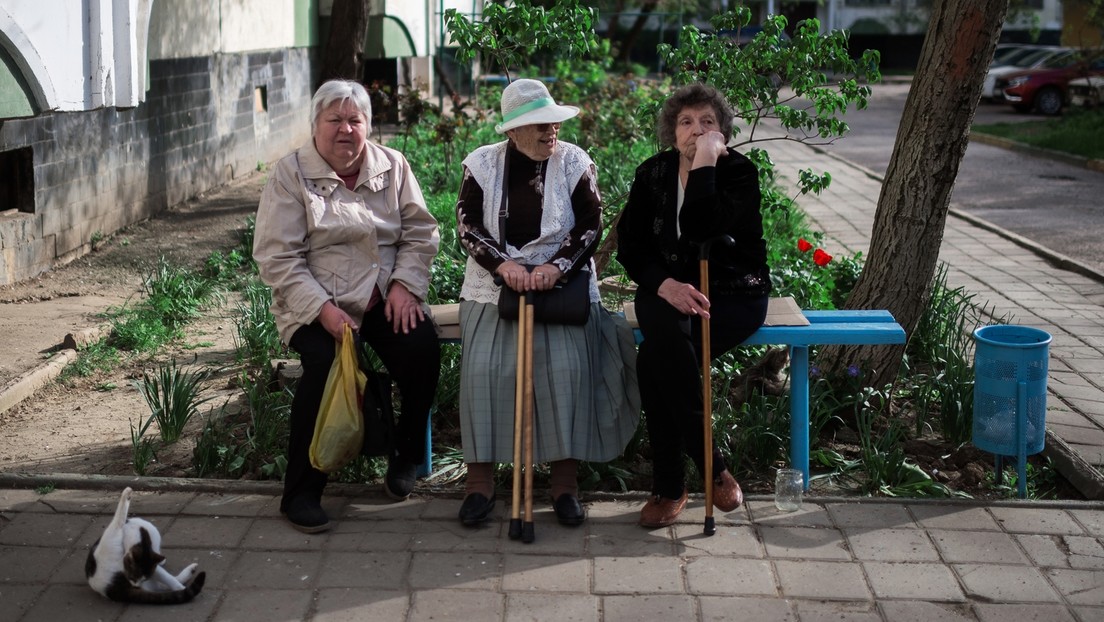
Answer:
[(683, 196)]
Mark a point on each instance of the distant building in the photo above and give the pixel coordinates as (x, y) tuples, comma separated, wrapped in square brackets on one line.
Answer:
[(114, 110)]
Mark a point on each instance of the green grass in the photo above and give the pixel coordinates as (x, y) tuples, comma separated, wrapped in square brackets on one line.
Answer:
[(1078, 132)]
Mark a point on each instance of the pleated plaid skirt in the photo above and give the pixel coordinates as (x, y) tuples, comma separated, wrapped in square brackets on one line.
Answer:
[(584, 382)]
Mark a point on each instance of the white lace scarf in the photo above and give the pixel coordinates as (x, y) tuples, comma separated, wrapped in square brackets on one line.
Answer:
[(565, 168)]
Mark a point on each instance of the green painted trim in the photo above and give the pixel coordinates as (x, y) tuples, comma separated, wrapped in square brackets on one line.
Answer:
[(307, 32), (16, 98), (385, 34)]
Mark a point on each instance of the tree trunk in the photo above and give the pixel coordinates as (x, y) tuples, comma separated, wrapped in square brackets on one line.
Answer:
[(614, 29), (912, 208), (637, 27), (348, 27)]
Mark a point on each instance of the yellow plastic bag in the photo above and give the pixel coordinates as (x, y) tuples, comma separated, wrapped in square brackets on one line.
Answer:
[(339, 431)]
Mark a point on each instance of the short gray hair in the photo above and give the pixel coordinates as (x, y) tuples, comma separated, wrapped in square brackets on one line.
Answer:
[(693, 96), (341, 90)]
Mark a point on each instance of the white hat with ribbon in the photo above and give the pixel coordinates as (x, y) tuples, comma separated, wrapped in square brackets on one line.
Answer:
[(526, 102)]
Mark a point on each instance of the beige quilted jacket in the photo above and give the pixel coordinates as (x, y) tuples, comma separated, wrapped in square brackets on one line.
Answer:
[(316, 240)]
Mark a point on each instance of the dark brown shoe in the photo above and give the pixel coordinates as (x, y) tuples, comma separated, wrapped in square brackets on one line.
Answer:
[(661, 511), (727, 495)]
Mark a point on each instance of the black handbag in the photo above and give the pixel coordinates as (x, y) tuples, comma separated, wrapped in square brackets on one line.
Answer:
[(568, 302), (377, 410)]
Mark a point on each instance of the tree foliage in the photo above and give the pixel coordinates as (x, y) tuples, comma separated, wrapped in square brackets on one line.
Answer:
[(509, 37), (800, 84)]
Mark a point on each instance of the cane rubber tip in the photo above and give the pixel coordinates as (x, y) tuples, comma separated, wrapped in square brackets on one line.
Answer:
[(710, 526), (528, 534), (515, 528)]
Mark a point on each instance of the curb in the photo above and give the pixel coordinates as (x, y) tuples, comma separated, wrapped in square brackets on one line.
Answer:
[(24, 386), (1059, 260), (1039, 152), (71, 481)]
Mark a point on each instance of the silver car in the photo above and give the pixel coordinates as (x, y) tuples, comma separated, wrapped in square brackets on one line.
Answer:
[(1087, 92)]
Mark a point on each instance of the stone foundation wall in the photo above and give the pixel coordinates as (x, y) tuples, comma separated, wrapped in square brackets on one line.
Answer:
[(205, 121)]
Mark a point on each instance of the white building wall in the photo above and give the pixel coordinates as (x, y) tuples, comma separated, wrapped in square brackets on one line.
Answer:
[(85, 50), (184, 29), (840, 14), (414, 15), (257, 24), (89, 54)]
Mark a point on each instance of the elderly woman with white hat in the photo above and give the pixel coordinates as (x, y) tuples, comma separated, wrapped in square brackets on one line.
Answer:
[(587, 400)]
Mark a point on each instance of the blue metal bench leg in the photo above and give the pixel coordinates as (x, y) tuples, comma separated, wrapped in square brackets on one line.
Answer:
[(799, 410), (426, 467)]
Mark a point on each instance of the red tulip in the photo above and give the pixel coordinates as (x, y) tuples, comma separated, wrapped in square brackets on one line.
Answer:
[(803, 245), (821, 258)]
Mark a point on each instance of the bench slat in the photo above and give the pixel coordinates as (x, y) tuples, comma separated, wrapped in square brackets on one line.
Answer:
[(824, 333), (849, 315)]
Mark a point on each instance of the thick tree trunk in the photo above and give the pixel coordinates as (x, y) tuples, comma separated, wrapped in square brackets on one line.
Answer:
[(646, 10), (348, 27), (614, 29), (912, 208)]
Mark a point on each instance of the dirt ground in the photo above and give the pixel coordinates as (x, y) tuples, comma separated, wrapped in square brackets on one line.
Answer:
[(82, 425)]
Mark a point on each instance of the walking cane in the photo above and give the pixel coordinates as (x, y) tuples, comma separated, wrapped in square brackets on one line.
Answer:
[(523, 428), (519, 401), (527, 530), (707, 384)]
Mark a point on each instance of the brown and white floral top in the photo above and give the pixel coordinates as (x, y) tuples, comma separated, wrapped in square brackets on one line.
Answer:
[(554, 209)]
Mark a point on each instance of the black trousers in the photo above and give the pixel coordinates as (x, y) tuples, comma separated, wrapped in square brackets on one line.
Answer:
[(414, 362), (669, 369)]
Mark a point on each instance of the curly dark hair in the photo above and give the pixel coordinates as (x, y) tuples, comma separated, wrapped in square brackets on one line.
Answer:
[(692, 96)]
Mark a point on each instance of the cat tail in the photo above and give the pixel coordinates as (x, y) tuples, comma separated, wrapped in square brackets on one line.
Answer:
[(123, 591)]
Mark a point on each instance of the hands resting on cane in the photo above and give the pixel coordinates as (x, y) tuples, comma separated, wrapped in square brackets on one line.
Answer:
[(521, 278)]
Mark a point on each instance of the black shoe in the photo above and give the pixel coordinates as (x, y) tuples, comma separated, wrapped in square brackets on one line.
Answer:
[(568, 510), (306, 515), (476, 508), (400, 478)]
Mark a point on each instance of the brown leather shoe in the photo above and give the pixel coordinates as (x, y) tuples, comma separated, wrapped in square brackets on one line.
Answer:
[(727, 495), (661, 512)]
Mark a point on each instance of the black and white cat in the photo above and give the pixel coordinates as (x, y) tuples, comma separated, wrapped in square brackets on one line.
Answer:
[(125, 563)]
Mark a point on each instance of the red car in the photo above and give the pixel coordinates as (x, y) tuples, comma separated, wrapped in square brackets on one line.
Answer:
[(1044, 89)]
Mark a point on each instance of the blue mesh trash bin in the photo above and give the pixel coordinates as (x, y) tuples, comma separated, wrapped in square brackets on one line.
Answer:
[(1010, 375)]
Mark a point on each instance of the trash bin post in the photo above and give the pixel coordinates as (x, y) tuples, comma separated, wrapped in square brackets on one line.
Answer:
[(1010, 374)]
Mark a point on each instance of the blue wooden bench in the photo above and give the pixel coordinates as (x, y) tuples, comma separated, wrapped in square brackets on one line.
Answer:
[(824, 328)]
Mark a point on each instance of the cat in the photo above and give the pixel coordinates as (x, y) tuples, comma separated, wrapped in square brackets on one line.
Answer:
[(765, 376), (125, 563)]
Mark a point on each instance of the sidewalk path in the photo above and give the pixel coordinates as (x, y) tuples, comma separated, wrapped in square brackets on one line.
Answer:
[(413, 561)]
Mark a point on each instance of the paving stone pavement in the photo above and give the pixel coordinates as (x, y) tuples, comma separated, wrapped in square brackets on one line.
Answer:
[(833, 559)]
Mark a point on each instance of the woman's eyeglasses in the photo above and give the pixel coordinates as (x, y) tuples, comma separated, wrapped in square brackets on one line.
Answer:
[(544, 127)]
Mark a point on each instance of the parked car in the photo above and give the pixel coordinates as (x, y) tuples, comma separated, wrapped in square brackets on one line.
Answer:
[(1009, 53), (1087, 92), (1044, 89), (1035, 57)]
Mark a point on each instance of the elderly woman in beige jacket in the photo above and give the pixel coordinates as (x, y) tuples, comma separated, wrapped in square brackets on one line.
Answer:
[(343, 236)]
